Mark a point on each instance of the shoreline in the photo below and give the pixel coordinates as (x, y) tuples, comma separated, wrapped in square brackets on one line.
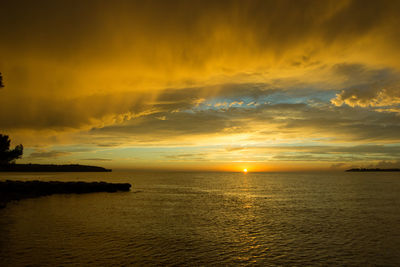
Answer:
[(51, 168), (12, 190)]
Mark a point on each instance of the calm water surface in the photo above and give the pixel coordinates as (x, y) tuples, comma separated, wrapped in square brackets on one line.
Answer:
[(292, 219)]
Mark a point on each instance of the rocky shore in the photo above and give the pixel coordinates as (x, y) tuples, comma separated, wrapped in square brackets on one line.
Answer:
[(16, 190), (51, 168)]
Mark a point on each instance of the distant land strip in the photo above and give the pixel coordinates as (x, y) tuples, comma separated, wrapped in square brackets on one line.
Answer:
[(372, 170), (51, 168), (16, 190)]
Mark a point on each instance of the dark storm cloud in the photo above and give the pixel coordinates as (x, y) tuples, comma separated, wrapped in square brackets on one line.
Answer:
[(173, 124), (341, 123), (347, 124), (59, 27), (161, 35), (116, 71), (228, 91), (360, 73), (368, 87), (59, 113)]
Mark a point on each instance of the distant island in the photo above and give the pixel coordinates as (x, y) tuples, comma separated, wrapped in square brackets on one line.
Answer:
[(373, 170), (51, 168), (16, 190), (8, 156)]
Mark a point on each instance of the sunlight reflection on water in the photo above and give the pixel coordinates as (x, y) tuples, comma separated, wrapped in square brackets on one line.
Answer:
[(209, 218)]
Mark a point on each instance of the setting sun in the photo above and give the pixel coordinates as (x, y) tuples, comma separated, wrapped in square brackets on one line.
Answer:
[(245, 170)]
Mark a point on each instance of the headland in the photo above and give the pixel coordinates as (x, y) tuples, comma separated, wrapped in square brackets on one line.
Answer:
[(51, 168), (16, 190)]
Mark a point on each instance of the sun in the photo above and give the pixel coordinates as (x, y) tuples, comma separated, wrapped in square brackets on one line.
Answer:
[(245, 170)]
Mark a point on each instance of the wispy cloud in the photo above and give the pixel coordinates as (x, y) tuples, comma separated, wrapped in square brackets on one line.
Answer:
[(228, 75), (97, 159), (48, 154)]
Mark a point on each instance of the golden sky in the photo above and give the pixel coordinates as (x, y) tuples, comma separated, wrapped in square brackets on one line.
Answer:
[(203, 85)]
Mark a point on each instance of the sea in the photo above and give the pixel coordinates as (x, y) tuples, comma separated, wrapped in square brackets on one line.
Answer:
[(208, 219)]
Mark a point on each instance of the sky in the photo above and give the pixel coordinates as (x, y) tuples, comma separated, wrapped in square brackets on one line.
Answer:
[(202, 85)]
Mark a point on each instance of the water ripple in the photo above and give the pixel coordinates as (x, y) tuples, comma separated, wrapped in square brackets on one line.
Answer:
[(211, 219)]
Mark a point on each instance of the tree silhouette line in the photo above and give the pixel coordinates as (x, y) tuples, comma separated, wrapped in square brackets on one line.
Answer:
[(1, 81), (8, 156)]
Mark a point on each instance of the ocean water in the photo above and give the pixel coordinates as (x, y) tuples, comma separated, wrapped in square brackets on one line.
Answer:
[(265, 219)]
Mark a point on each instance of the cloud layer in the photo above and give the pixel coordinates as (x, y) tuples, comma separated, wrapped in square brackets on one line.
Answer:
[(202, 75)]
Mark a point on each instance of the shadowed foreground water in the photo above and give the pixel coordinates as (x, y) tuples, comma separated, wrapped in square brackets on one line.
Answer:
[(209, 218)]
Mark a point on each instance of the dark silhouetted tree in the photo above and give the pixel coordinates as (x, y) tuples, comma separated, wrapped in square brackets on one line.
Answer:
[(1, 81), (8, 156)]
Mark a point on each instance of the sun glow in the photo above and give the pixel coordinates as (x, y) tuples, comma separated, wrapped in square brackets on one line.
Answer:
[(245, 170)]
